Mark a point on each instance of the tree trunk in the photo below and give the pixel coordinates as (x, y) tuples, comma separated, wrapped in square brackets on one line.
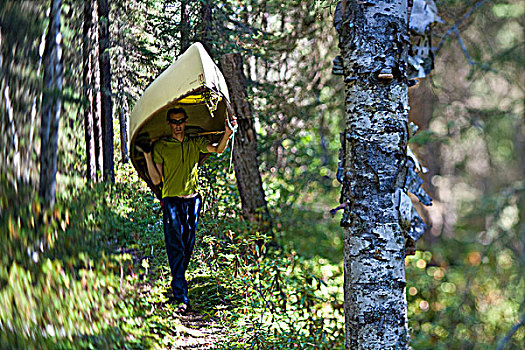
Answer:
[(205, 29), (8, 128), (51, 106), (105, 87), (245, 161), (422, 101), (373, 43), (123, 122), (184, 26), (87, 74), (122, 97), (97, 96)]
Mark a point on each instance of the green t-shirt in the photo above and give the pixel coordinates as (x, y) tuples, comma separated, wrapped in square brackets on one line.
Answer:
[(179, 162)]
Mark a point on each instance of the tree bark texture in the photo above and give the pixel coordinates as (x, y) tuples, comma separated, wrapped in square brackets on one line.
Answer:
[(206, 25), (373, 43), (245, 160), (123, 122), (422, 101), (122, 97), (105, 87), (87, 78), (184, 26), (9, 141), (51, 106), (97, 96)]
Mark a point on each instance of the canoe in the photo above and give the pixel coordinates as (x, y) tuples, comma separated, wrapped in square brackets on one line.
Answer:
[(193, 82)]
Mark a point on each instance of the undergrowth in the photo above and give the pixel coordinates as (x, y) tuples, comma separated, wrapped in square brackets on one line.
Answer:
[(93, 273)]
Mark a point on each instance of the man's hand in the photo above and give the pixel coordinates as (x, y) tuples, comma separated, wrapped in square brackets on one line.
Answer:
[(233, 123)]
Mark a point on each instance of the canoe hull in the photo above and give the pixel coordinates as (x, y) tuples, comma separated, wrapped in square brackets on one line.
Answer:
[(194, 83)]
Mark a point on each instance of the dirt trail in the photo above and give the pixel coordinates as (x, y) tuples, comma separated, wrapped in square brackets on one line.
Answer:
[(195, 332)]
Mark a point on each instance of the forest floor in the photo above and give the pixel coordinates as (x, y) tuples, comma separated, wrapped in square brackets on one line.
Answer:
[(93, 273)]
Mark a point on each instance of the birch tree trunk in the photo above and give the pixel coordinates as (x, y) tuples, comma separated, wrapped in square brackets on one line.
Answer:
[(245, 160), (105, 87), (51, 106), (87, 78), (373, 43)]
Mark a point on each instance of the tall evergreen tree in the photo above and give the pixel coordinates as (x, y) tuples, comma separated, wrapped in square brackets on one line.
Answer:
[(245, 159), (51, 105), (105, 87), (87, 79)]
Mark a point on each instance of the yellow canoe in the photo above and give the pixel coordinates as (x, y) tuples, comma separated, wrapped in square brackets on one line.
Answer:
[(193, 82)]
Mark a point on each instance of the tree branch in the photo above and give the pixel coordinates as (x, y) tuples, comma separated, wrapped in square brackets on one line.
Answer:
[(511, 332), (463, 48), (458, 23)]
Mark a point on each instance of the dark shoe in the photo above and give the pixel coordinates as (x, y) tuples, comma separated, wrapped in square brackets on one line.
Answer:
[(182, 309)]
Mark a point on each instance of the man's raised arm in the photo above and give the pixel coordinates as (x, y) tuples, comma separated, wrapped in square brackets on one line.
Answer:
[(221, 146)]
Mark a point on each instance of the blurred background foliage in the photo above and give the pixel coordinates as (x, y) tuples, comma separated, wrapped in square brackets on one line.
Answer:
[(92, 272)]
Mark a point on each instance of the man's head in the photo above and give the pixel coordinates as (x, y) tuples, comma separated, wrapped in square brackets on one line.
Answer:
[(176, 119)]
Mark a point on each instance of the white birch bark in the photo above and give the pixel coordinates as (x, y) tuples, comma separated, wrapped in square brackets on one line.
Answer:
[(373, 43)]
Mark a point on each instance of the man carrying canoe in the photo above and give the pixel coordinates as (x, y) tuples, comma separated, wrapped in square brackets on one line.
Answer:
[(174, 162)]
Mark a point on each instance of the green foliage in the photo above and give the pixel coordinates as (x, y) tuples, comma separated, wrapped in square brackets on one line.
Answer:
[(271, 299), (60, 285), (93, 272)]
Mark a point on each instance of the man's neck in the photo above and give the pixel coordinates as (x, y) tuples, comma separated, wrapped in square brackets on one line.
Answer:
[(179, 137)]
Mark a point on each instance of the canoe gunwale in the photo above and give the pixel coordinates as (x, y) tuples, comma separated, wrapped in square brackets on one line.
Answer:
[(157, 189), (193, 73)]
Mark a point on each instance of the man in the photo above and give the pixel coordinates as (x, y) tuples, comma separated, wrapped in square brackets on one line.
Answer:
[(174, 163)]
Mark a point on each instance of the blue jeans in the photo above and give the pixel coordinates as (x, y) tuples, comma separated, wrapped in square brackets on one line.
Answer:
[(180, 217)]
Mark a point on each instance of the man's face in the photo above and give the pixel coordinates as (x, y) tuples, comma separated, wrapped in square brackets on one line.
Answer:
[(174, 122)]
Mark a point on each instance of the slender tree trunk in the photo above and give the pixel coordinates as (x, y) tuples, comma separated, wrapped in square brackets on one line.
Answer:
[(28, 159), (122, 99), (97, 96), (8, 127), (123, 122), (184, 26), (245, 161), (87, 75), (206, 25), (51, 106), (3, 108), (373, 42), (105, 86)]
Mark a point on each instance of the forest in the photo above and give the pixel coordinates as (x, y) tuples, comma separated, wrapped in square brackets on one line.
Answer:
[(372, 195)]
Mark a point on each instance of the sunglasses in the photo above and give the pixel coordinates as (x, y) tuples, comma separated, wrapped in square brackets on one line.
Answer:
[(177, 121)]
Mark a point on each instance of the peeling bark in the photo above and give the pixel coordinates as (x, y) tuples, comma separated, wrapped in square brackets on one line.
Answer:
[(245, 160), (51, 106), (373, 43)]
